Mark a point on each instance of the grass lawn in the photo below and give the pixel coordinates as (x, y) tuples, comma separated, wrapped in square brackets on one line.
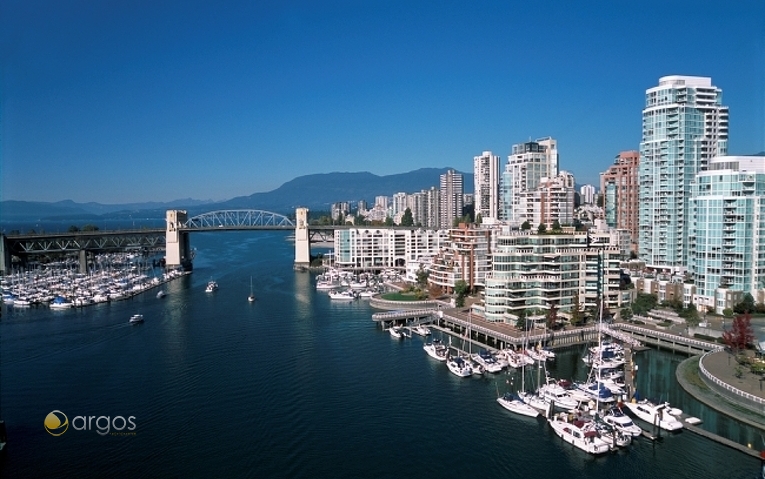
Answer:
[(398, 296)]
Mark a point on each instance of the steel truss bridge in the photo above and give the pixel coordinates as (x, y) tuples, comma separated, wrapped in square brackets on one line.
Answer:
[(238, 220)]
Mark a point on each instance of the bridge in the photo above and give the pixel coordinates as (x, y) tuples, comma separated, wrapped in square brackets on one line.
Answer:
[(174, 238)]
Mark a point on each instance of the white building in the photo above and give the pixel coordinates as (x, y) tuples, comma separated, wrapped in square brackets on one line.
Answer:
[(527, 164), (587, 195), (486, 186), (379, 248), (465, 257), (684, 126), (451, 197)]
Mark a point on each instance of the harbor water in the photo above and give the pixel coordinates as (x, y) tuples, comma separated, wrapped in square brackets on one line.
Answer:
[(291, 385)]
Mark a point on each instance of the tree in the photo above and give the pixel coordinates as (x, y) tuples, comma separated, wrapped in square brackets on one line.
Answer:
[(552, 316), (90, 227), (626, 314), (643, 303), (542, 228), (73, 229), (521, 322), (407, 219), (746, 305), (479, 219), (556, 225), (460, 290), (526, 226), (728, 313), (388, 221), (422, 277), (741, 334), (576, 314)]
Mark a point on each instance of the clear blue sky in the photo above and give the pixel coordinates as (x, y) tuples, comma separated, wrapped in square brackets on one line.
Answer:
[(131, 101)]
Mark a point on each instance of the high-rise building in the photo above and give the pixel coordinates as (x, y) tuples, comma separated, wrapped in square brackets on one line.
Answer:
[(551, 201), (526, 166), (451, 197), (587, 194), (727, 229), (684, 126), (619, 187), (486, 184)]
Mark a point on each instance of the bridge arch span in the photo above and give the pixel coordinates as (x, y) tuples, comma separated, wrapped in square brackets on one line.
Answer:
[(238, 219)]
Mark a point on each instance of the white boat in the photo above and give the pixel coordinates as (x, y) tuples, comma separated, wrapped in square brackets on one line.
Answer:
[(396, 332), (136, 318), (436, 349), (345, 295), (616, 418), (661, 414), (161, 294), (487, 361), (581, 434), (421, 330), (211, 286), (251, 297), (513, 403), (558, 396), (459, 367), (59, 302)]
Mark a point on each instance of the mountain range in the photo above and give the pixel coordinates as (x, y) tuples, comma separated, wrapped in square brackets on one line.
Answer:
[(316, 192)]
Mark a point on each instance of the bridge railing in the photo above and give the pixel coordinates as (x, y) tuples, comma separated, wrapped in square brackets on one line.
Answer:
[(703, 345)]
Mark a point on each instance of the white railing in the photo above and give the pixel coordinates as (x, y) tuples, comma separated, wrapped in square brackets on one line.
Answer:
[(398, 314), (623, 337), (726, 386), (704, 345)]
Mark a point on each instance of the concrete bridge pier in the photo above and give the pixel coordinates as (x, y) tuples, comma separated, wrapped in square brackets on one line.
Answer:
[(83, 255), (5, 257), (302, 240), (177, 249)]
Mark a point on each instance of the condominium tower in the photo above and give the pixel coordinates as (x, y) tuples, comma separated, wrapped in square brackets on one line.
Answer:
[(526, 166), (486, 183), (684, 126), (619, 187), (451, 198)]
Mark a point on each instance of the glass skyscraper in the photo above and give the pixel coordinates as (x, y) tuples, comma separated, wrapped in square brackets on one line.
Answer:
[(684, 126)]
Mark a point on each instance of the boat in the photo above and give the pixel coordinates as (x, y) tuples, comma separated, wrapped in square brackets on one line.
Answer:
[(251, 297), (580, 433), (513, 403), (136, 318), (211, 286), (421, 330), (487, 361), (59, 302), (345, 295), (396, 332), (557, 395), (622, 422), (161, 294), (459, 366), (436, 349), (660, 414)]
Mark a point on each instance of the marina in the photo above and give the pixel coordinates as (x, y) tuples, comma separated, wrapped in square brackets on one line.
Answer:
[(214, 356)]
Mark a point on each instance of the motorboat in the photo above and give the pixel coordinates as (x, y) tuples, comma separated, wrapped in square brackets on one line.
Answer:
[(396, 332), (459, 366), (580, 433), (136, 318), (161, 294), (211, 286), (251, 297), (622, 422), (487, 361), (59, 302), (421, 330), (436, 349), (660, 414), (513, 403), (345, 295), (558, 396)]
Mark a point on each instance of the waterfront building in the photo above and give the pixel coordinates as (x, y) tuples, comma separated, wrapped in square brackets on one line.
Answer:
[(587, 194), (486, 186), (379, 248), (527, 164), (684, 125), (619, 187), (727, 229), (451, 195), (466, 256), (534, 272)]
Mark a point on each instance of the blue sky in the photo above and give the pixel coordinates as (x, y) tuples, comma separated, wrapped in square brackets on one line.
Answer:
[(120, 101)]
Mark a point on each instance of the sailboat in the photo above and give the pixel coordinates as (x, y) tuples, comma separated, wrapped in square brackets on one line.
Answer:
[(251, 297)]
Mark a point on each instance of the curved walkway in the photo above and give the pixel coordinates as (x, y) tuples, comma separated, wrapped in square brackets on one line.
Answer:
[(716, 363)]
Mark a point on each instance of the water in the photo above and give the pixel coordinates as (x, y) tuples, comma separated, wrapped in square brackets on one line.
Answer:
[(292, 385)]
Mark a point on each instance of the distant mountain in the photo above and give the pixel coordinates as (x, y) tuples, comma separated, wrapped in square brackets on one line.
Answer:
[(319, 191), (316, 192)]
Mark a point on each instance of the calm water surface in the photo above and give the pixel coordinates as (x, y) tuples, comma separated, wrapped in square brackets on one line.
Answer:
[(292, 385)]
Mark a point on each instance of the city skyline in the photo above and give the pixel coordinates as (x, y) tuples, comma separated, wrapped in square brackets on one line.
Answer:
[(108, 103)]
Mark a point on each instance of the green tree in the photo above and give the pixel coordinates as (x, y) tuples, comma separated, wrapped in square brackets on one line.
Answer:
[(461, 289), (407, 219), (643, 303), (542, 228), (73, 229), (90, 227), (526, 226), (521, 322), (422, 277), (479, 219), (746, 305), (728, 313), (556, 226), (388, 221), (576, 313), (626, 314)]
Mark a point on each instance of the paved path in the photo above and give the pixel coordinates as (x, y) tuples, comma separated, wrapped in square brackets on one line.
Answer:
[(722, 365)]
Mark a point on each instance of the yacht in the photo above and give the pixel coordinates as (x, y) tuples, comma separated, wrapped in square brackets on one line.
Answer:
[(580, 433), (620, 421), (459, 367), (136, 318), (558, 396), (485, 359), (396, 332), (658, 414), (161, 294), (436, 349), (211, 286), (345, 295), (513, 403), (59, 302), (421, 330)]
